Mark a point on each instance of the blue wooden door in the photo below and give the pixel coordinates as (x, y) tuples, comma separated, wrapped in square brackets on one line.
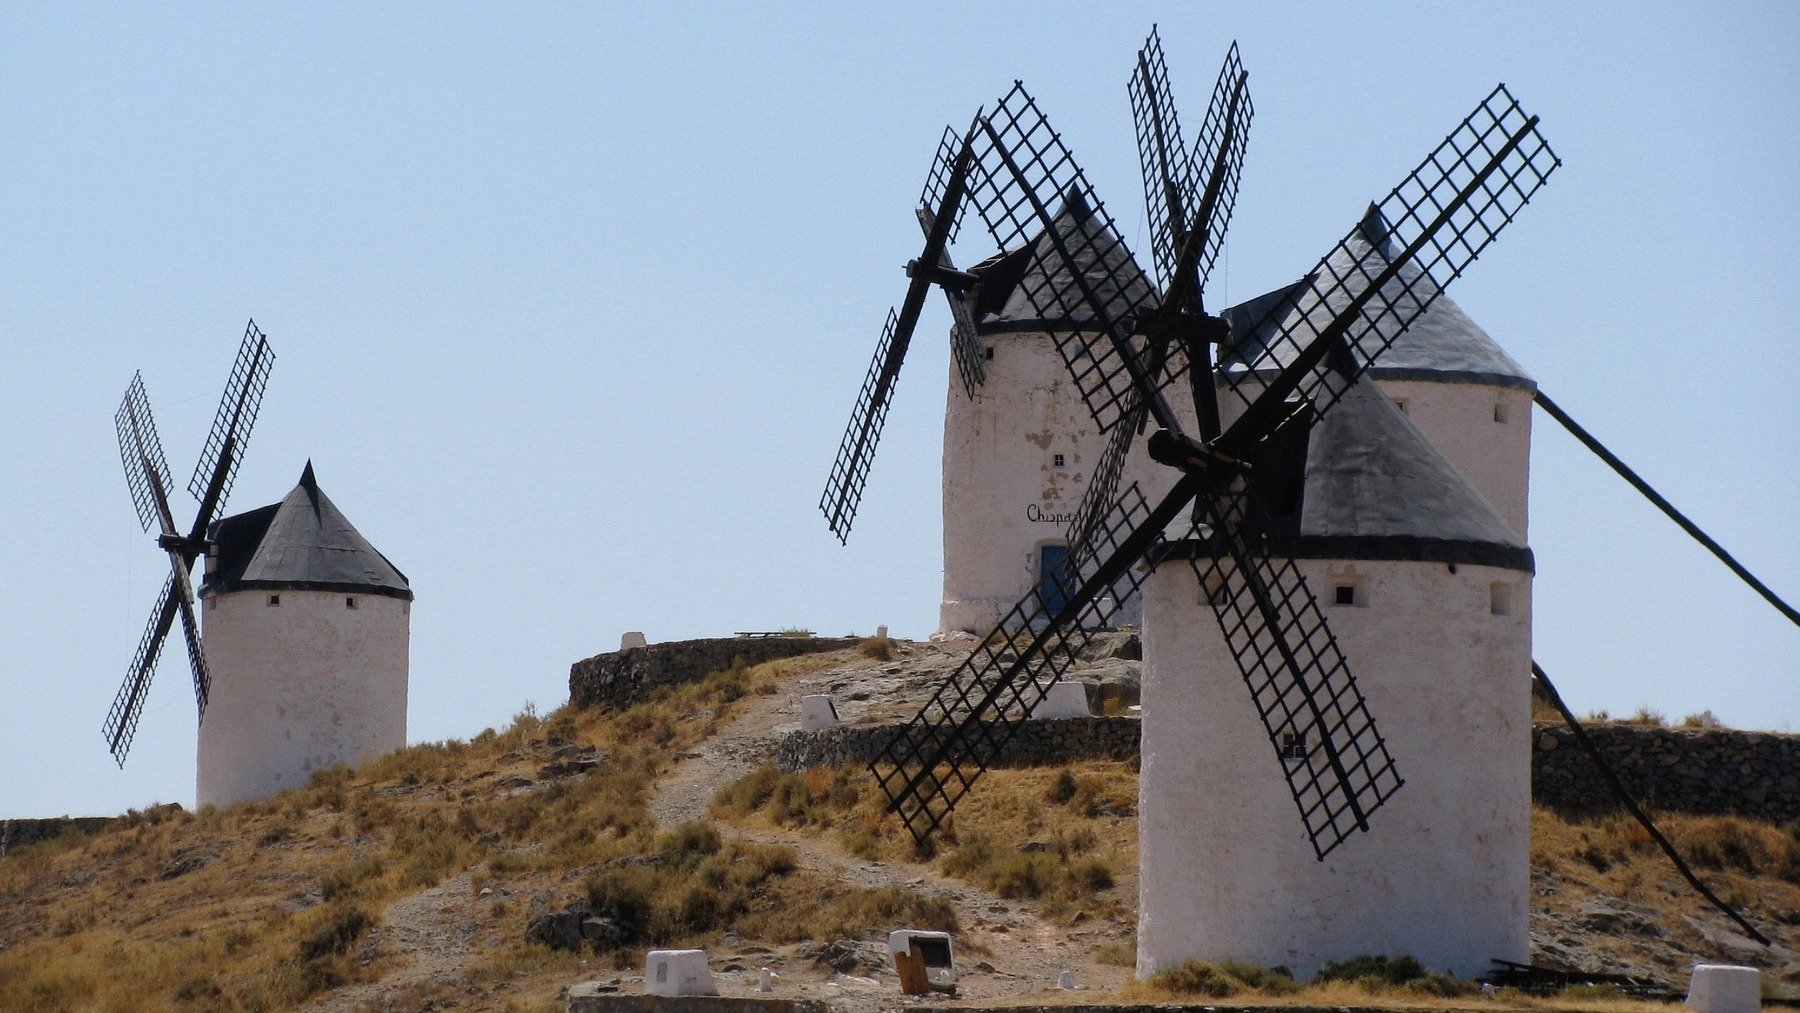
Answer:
[(1051, 580)]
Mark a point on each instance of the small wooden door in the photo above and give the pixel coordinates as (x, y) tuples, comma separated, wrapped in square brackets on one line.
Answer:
[(1052, 583)]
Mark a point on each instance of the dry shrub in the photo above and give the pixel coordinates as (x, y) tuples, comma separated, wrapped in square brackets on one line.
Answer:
[(1230, 977), (819, 797), (865, 911), (1012, 873), (693, 884), (336, 930), (879, 648), (1727, 843), (1380, 974)]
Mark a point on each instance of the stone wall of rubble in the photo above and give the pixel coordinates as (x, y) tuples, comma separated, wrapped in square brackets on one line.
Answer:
[(1718, 771), (15, 834), (1034, 744), (622, 678), (1688, 770)]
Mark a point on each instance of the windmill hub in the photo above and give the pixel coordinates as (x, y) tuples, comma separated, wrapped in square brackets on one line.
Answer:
[(1166, 446), (1183, 328), (943, 277), (190, 548)]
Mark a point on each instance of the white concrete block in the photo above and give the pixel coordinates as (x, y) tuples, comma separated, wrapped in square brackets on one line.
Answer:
[(881, 632), (933, 946), (633, 639), (1724, 988), (1064, 700), (678, 972), (816, 712)]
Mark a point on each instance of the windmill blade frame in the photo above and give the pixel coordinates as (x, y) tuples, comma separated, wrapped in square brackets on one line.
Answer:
[(1084, 273), (1333, 757), (224, 449), (1173, 181), (1184, 263), (1356, 303), (190, 630), (128, 704), (965, 344), (141, 452), (146, 473), (850, 469), (935, 758)]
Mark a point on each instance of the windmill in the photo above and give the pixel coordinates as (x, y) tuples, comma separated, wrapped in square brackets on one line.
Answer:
[(147, 477), (1018, 174)]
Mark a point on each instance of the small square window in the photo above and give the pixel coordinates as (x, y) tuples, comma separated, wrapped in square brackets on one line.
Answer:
[(1500, 411), (1499, 598), (349, 603), (1056, 461), (274, 599), (1344, 594), (988, 354), (1215, 593), (1400, 403), (1293, 747)]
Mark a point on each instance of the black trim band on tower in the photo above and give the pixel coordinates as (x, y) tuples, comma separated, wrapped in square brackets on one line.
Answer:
[(329, 587), (1364, 548)]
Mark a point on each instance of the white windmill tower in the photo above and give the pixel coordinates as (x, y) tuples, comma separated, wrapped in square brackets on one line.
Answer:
[(1427, 592), (307, 631), (305, 657)]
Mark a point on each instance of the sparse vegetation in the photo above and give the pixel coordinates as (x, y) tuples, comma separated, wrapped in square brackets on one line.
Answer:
[(91, 921), (1051, 854)]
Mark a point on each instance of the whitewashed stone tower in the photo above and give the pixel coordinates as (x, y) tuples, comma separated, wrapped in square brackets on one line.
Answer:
[(307, 631), (1428, 591), (1018, 455)]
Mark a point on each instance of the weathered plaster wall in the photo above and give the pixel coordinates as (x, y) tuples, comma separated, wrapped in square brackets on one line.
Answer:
[(1226, 870), (622, 678), (1003, 494), (299, 686)]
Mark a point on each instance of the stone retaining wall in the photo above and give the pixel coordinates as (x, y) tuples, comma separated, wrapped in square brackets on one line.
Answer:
[(622, 678), (16, 834), (1035, 744), (1713, 771)]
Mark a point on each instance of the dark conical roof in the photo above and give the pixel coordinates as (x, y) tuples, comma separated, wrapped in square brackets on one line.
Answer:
[(1018, 294), (1364, 483), (1443, 344), (303, 543)]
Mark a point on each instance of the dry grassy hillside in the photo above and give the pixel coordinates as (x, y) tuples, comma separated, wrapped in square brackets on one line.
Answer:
[(410, 884)]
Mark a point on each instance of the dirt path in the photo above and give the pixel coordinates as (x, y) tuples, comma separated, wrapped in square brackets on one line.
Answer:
[(434, 936), (1006, 948)]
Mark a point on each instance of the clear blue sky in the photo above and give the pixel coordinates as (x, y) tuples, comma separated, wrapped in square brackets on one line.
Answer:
[(571, 305)]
